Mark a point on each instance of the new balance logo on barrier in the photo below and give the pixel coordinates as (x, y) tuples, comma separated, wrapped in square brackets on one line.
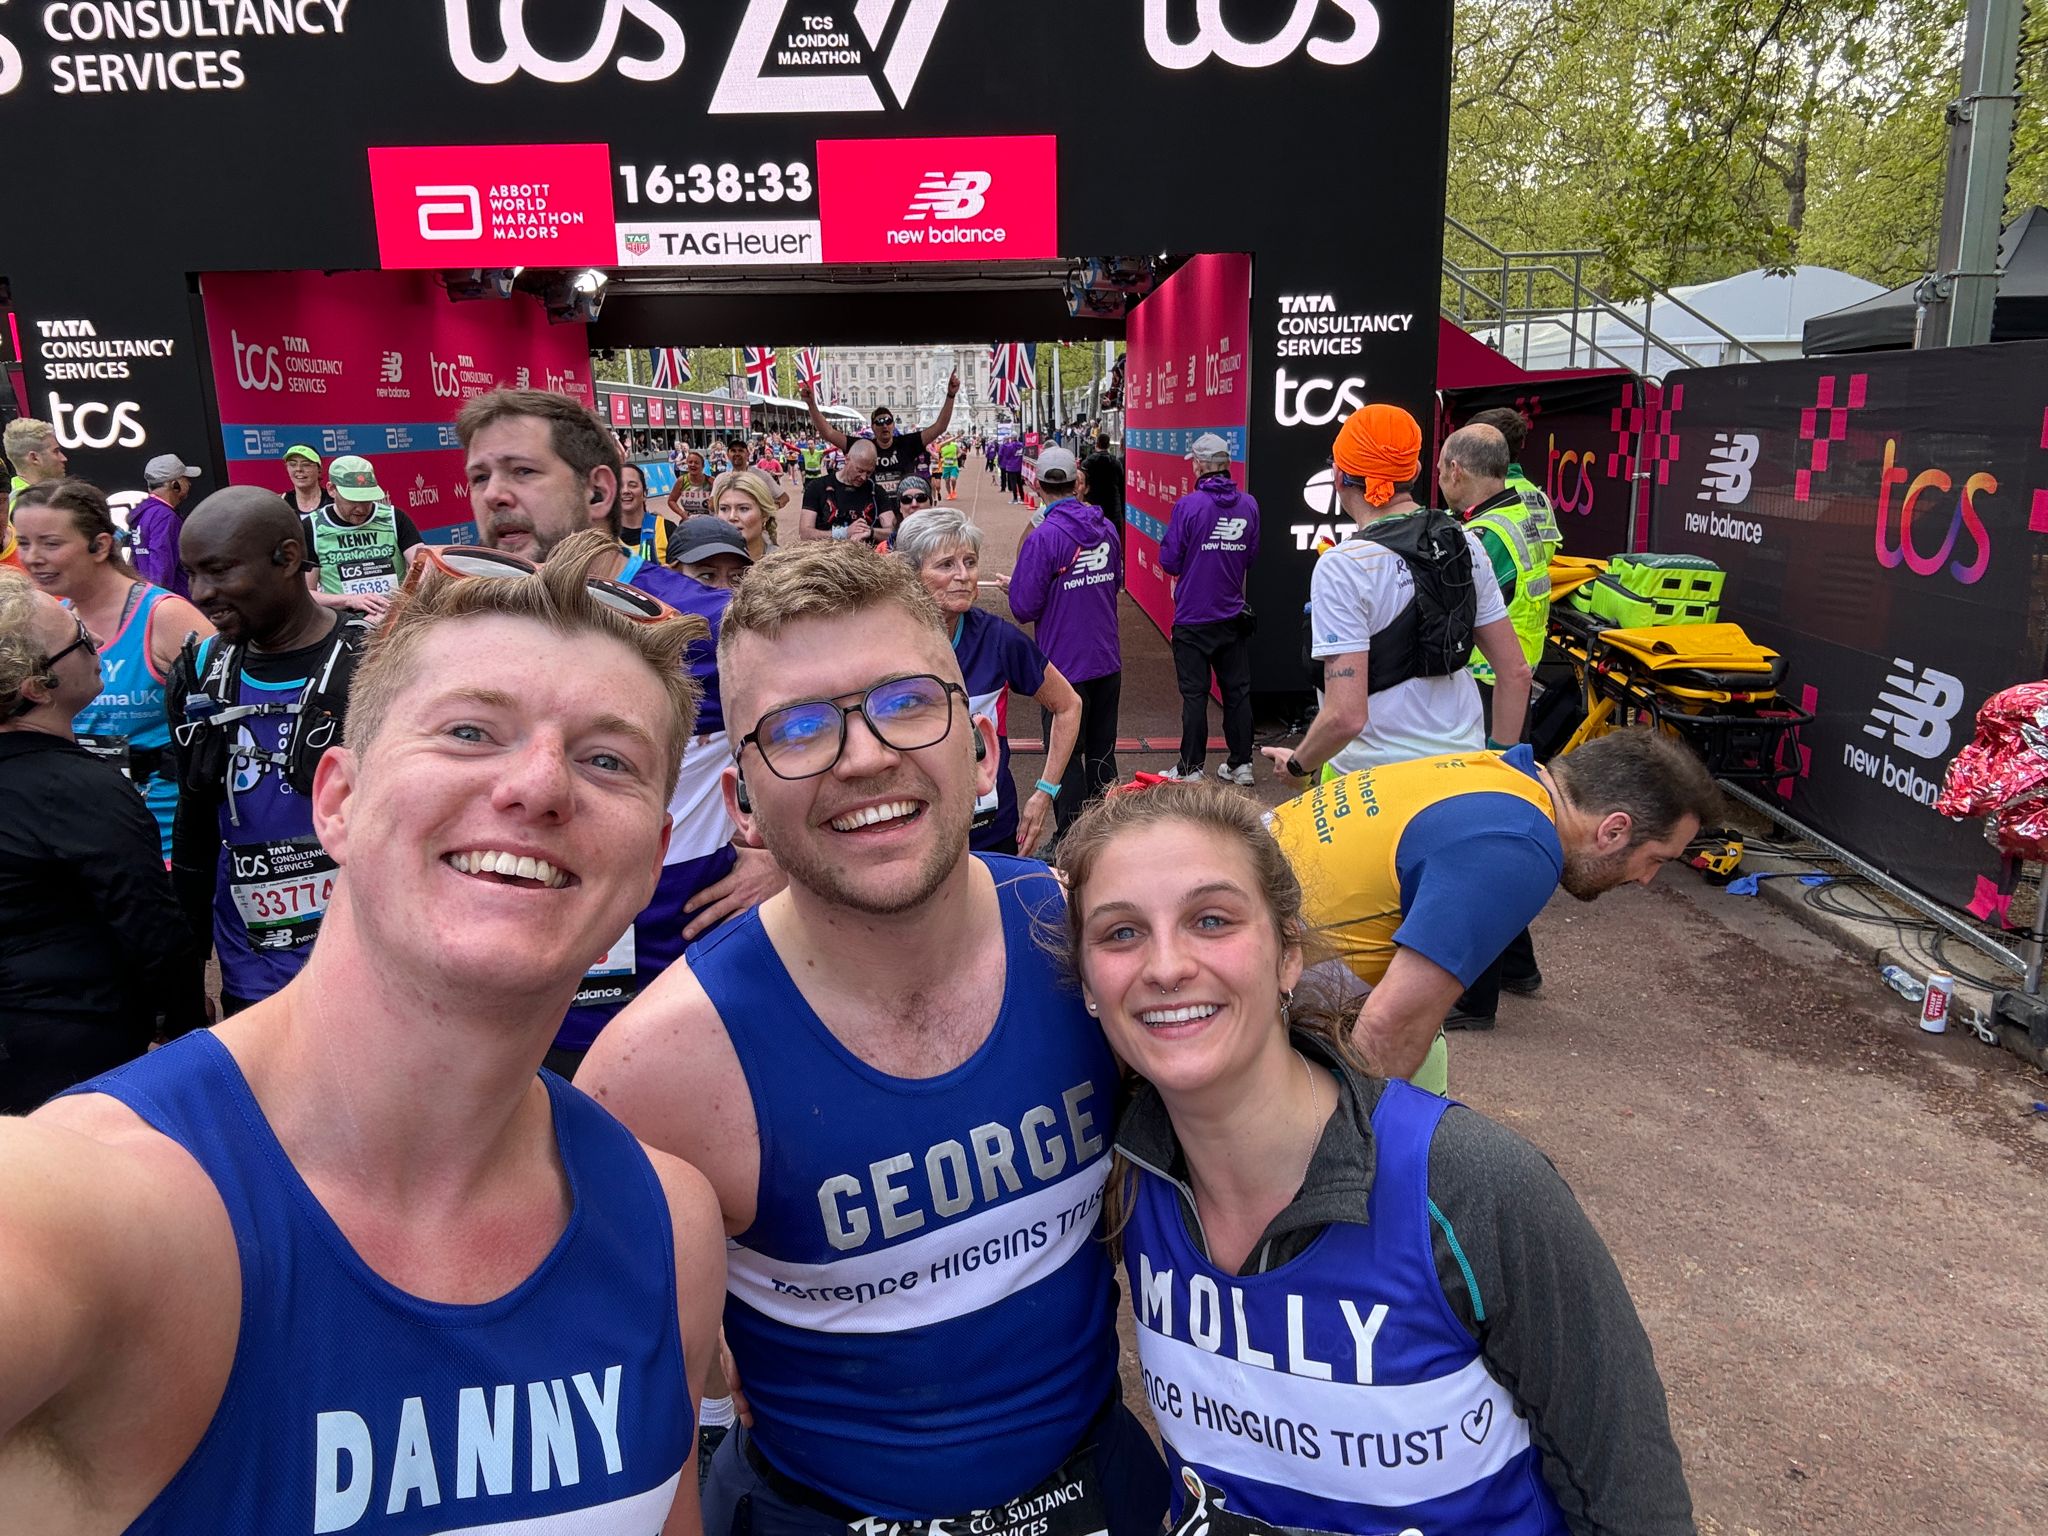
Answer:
[(1916, 712), (519, 53), (1089, 561), (961, 195), (1214, 38), (1729, 463), (765, 43)]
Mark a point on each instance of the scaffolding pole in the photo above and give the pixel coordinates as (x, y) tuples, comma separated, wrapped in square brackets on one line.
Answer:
[(1956, 303)]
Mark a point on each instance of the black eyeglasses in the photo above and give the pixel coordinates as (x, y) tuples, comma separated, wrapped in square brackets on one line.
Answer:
[(803, 740), (84, 642)]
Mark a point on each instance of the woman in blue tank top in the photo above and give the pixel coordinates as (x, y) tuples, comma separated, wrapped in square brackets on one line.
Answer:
[(1360, 1308), (70, 546)]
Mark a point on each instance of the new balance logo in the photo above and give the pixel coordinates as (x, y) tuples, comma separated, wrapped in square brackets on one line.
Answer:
[(1916, 713), (392, 369), (1229, 529), (763, 43), (1088, 561), (1729, 463), (961, 195)]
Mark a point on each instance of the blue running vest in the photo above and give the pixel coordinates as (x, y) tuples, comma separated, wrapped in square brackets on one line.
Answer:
[(921, 1312), (700, 849), (274, 879), (1338, 1392), (129, 712), (353, 1406)]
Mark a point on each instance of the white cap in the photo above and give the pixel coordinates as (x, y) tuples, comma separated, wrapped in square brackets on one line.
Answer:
[(1056, 464), (166, 467), (1209, 447)]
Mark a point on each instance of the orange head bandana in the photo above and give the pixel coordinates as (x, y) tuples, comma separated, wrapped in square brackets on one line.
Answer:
[(1381, 445)]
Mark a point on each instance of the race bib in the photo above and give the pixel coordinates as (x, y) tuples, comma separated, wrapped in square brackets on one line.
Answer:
[(383, 582), (1068, 1503), (610, 981), (281, 890)]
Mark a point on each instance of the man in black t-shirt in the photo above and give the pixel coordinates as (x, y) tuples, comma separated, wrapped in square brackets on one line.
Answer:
[(1105, 472), (847, 504), (896, 453)]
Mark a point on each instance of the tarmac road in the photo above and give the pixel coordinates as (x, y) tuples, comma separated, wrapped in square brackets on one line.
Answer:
[(1835, 1227)]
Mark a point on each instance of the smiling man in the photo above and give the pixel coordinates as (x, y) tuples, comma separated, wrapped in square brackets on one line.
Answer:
[(250, 713), (902, 1110), (541, 468), (348, 1263)]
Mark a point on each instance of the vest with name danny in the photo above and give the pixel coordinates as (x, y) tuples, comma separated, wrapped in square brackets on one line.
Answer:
[(920, 1311), (354, 1406), (1338, 1392)]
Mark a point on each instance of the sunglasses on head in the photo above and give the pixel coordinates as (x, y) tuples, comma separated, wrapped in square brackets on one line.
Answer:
[(462, 561), (885, 421)]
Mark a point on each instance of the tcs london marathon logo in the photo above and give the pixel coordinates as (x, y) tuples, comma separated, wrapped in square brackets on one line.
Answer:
[(784, 59)]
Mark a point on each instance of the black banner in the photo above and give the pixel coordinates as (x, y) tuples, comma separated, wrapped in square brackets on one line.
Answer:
[(709, 124), (1884, 523), (1583, 435)]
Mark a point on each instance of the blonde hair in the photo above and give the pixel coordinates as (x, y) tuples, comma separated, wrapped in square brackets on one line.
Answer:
[(555, 595), (1316, 1009), (754, 485), (22, 657), (25, 435), (823, 581)]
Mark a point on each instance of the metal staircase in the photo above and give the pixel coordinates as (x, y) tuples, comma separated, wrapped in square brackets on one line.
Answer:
[(1510, 299)]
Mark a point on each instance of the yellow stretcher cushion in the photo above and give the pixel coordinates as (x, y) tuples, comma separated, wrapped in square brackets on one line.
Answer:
[(1568, 573), (1710, 647)]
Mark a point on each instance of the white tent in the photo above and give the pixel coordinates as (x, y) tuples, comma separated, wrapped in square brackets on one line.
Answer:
[(1765, 310)]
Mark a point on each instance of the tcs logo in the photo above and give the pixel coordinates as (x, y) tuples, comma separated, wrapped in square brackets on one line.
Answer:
[(257, 367), (119, 424), (1965, 518), (1213, 36)]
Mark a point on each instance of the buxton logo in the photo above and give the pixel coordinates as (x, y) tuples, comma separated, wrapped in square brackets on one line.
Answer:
[(961, 195), (1917, 713), (520, 54), (1729, 465), (1213, 38), (823, 68)]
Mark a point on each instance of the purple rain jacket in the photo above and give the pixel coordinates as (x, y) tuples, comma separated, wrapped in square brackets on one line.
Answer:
[(1211, 540), (1069, 571)]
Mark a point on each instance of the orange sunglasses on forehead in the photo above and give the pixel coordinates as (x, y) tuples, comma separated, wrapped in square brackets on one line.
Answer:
[(472, 560)]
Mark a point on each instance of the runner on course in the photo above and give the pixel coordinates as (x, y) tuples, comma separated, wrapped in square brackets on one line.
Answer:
[(307, 495), (632, 505), (908, 1156), (949, 467), (709, 549), (251, 711), (360, 544), (896, 453), (70, 547), (540, 466), (847, 504), (749, 503), (348, 1263), (1401, 1296)]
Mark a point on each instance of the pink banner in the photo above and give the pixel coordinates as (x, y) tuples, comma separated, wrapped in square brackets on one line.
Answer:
[(1188, 346), (374, 363)]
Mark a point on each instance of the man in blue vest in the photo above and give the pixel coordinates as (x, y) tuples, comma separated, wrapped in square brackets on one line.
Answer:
[(322, 1268), (910, 1157)]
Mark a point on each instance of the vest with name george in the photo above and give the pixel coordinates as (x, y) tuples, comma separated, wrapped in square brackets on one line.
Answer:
[(1338, 1392), (126, 724), (357, 557), (354, 1406), (921, 1312)]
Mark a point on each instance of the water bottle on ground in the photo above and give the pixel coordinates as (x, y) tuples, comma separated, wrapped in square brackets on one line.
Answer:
[(1904, 982)]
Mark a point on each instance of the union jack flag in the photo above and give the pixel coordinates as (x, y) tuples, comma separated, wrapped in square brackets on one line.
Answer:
[(671, 367), (1010, 372), (810, 369), (761, 369)]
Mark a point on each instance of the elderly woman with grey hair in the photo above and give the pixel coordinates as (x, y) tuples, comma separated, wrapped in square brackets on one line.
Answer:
[(996, 657)]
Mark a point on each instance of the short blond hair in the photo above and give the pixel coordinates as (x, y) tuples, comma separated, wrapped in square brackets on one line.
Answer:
[(24, 436), (555, 595), (22, 656), (823, 581)]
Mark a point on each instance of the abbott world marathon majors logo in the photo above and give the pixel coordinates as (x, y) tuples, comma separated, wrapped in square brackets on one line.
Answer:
[(1915, 713)]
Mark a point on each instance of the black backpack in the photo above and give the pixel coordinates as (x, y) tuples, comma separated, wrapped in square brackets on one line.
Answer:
[(1432, 636)]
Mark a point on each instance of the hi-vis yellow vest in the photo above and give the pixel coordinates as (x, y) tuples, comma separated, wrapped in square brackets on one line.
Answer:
[(1530, 534), (1344, 839)]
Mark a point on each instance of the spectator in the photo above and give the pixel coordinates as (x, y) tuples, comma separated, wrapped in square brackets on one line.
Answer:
[(154, 525), (1212, 538), (95, 959), (1010, 460), (1105, 472), (1070, 569)]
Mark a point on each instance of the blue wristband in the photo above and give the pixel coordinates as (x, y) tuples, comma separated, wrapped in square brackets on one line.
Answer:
[(1049, 789)]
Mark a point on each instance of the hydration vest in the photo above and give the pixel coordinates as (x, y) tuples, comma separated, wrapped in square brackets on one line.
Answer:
[(1432, 636), (202, 693)]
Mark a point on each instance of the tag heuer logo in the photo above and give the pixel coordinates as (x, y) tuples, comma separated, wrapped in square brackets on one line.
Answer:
[(639, 245)]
